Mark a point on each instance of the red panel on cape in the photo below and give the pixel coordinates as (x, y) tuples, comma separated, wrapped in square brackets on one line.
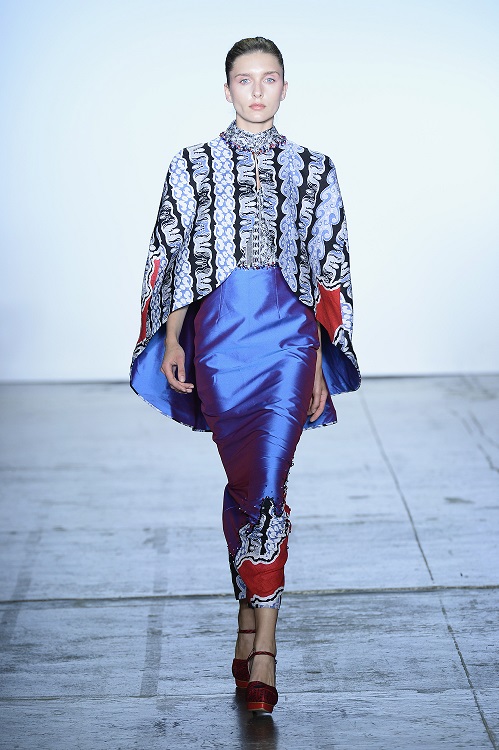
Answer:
[(145, 311), (328, 310)]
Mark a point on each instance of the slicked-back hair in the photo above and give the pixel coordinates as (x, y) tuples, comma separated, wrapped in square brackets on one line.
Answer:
[(251, 44)]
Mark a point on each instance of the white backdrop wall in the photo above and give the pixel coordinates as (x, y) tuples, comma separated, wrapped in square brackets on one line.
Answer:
[(98, 95)]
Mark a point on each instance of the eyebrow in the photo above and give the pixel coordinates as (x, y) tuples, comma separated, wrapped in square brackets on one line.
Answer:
[(268, 73)]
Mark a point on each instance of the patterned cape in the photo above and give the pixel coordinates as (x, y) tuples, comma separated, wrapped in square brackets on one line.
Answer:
[(196, 243)]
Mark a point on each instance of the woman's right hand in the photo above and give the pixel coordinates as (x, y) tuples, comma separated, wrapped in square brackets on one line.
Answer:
[(173, 368)]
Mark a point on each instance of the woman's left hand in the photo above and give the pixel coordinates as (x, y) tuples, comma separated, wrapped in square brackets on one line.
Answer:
[(319, 393)]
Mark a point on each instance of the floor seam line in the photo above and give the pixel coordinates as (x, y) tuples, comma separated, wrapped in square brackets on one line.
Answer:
[(155, 619), (450, 629), (305, 592)]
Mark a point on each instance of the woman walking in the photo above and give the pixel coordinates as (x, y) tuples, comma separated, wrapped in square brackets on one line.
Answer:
[(246, 327)]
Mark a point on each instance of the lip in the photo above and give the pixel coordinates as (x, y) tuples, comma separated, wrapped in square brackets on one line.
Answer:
[(257, 106)]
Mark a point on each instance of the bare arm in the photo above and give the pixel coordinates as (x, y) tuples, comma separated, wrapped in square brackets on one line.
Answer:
[(173, 365)]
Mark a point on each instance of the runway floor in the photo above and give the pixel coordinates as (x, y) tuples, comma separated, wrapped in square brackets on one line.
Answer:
[(118, 622)]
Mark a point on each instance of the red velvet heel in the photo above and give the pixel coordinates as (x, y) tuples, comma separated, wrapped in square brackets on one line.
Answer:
[(261, 698), (240, 670)]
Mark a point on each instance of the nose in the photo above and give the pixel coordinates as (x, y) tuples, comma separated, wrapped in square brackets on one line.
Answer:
[(257, 92)]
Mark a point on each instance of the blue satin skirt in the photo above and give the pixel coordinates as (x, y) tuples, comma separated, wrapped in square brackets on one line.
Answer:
[(255, 350)]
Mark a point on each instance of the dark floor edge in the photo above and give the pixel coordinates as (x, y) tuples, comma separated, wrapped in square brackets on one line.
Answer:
[(406, 376), (98, 601), (230, 693)]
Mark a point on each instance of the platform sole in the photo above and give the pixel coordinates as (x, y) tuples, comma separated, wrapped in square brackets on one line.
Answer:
[(265, 708)]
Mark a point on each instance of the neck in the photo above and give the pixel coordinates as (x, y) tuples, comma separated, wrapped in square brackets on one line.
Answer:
[(253, 127)]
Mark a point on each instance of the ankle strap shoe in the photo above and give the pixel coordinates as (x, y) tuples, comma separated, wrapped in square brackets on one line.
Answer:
[(260, 697), (240, 671)]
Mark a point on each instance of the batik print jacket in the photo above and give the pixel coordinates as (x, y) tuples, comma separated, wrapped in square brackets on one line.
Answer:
[(203, 222)]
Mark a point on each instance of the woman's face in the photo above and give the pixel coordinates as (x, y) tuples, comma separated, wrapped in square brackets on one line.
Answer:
[(256, 90)]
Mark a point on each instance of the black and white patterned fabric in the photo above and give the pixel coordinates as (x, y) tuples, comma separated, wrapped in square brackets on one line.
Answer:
[(212, 218)]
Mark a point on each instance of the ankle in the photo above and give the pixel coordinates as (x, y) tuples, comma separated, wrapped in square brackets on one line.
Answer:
[(244, 645), (246, 618), (262, 668), (266, 645)]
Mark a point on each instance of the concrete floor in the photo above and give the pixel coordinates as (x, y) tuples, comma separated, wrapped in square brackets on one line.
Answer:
[(117, 618)]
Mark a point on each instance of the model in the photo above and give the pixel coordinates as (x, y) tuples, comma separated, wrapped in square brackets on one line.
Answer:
[(247, 327)]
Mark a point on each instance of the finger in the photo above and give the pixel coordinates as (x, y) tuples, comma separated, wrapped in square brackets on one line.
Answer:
[(176, 385), (179, 386), (183, 387), (309, 410), (168, 370), (165, 368), (320, 407), (181, 372), (316, 397)]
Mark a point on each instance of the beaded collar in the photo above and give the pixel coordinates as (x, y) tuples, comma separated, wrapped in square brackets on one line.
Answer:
[(257, 143)]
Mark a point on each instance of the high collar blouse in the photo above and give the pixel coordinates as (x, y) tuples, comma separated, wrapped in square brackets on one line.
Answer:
[(211, 212), (259, 244)]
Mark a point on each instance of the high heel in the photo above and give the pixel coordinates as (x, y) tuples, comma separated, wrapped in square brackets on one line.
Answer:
[(240, 670), (260, 697)]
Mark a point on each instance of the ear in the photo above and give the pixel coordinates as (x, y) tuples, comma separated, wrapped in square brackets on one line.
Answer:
[(227, 93), (284, 91)]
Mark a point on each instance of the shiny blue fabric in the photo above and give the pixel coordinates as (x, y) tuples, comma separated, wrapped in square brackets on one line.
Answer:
[(255, 355), (251, 349), (255, 352), (148, 381)]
